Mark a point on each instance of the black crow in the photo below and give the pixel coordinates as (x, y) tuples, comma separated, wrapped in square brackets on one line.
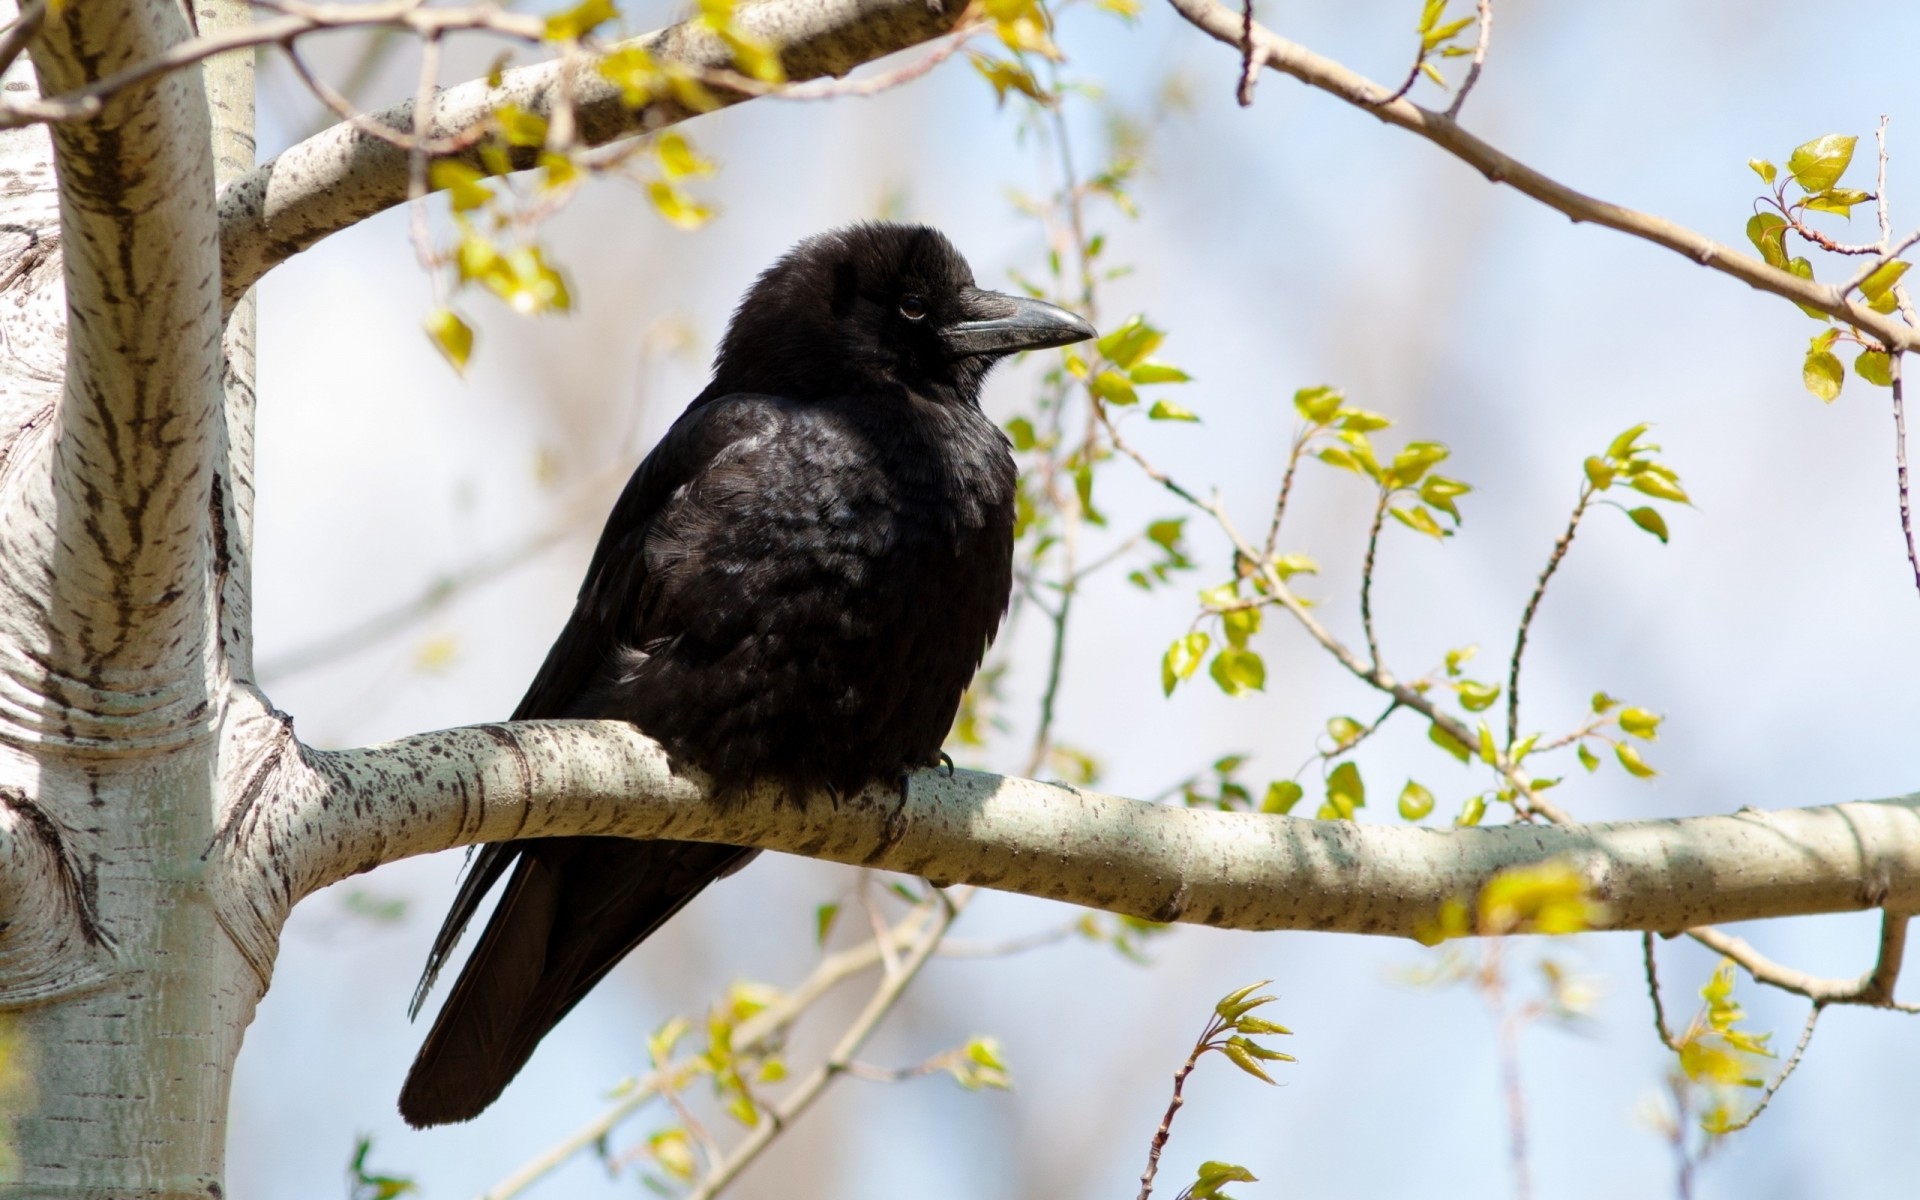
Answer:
[(795, 587)]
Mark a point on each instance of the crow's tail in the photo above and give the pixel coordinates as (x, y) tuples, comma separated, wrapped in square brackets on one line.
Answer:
[(573, 908)]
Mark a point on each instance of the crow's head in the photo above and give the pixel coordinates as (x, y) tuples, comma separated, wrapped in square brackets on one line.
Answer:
[(876, 307)]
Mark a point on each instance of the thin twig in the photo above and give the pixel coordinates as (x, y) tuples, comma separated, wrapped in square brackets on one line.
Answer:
[(1159, 1142), (1224, 25), (1533, 606), (1873, 989), (1786, 1072), (1508, 1025), (1653, 993), (1286, 491), (752, 1035), (1900, 463), (1249, 66), (1366, 578), (1479, 60), (804, 1093), (21, 32)]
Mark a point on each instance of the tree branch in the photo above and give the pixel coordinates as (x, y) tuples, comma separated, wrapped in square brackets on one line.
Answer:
[(322, 816), (108, 561), (1311, 69), (343, 175)]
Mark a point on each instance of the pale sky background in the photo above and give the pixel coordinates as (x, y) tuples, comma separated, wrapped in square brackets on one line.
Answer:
[(1299, 242)]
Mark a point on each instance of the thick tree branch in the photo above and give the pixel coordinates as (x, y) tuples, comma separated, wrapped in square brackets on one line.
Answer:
[(104, 606), (1311, 69), (322, 816), (343, 175)]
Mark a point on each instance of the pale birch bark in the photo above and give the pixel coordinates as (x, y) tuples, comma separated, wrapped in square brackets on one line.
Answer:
[(159, 820)]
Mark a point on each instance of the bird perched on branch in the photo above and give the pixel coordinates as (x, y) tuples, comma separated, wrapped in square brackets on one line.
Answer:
[(795, 587)]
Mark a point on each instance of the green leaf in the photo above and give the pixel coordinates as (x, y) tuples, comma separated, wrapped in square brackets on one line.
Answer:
[(1489, 751), (1838, 200), (1818, 165), (1433, 37), (572, 24), (1166, 410), (1599, 474), (1640, 723), (1446, 741), (1235, 1004), (1281, 796), (1153, 371), (463, 184), (1112, 386), (1660, 487), (1768, 233), (1472, 812), (1804, 270), (1318, 404), (1875, 367), (1650, 520), (1430, 14), (1631, 760), (452, 336), (1879, 285), (1624, 445), (1588, 758), (1020, 432), (1346, 792), (1823, 375), (1418, 518), (1238, 671), (1236, 1051), (1476, 697), (1344, 731), (823, 922), (1603, 702), (1360, 420), (1130, 343), (1182, 659), (1439, 491), (1239, 624), (1764, 169), (1414, 459), (1415, 801), (1166, 534)]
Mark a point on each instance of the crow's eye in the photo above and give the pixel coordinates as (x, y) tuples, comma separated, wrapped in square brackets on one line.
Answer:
[(913, 306)]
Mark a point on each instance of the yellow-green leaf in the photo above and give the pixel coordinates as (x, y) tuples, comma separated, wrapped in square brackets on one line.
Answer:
[(1182, 659), (1446, 741), (1166, 410), (1768, 233), (1660, 487), (1346, 792), (1318, 404), (678, 159), (1588, 758), (1764, 169), (677, 206), (1879, 285), (1823, 375), (1112, 386), (572, 24), (451, 335), (1415, 801), (1640, 723), (465, 186), (1130, 343), (1837, 200), (1650, 520), (1818, 165), (1631, 760), (1418, 518), (1804, 269), (520, 127), (1281, 796), (1153, 371), (1875, 367), (1599, 473), (1238, 671)]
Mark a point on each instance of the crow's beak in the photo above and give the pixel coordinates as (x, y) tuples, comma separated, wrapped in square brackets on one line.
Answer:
[(1009, 324)]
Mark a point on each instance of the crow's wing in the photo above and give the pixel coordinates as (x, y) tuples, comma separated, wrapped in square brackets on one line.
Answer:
[(575, 906)]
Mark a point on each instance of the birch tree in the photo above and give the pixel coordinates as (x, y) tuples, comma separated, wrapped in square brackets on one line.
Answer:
[(159, 818)]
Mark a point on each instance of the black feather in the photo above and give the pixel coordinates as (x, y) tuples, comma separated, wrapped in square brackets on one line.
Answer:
[(796, 586)]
